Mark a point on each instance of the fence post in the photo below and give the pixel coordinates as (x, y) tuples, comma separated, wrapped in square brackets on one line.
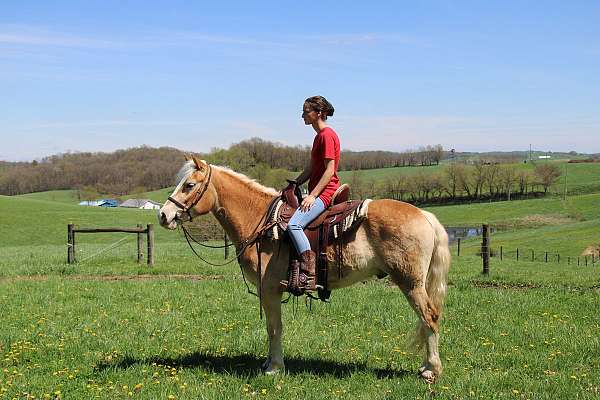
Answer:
[(569, 260), (226, 240), (458, 248), (546, 256), (485, 249), (558, 258), (517, 254), (150, 234), (500, 253), (586, 261), (139, 245), (532, 255), (71, 244), (578, 261)]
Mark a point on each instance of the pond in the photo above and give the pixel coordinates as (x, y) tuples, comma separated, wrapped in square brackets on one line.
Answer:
[(464, 232)]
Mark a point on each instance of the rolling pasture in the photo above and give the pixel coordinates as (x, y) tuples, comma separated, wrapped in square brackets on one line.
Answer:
[(581, 178), (110, 328)]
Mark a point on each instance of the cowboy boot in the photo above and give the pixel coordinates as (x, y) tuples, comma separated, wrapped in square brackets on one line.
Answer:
[(292, 284), (308, 271)]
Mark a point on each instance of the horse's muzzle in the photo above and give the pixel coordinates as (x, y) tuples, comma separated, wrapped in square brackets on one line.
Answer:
[(167, 219)]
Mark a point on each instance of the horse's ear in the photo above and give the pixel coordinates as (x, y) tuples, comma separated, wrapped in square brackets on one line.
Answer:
[(187, 157), (200, 164)]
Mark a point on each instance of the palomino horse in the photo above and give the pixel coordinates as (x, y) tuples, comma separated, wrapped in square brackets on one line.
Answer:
[(396, 238)]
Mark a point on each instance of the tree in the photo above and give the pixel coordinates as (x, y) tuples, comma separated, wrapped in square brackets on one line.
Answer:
[(508, 177), (524, 178), (356, 185), (546, 174), (491, 172), (478, 175)]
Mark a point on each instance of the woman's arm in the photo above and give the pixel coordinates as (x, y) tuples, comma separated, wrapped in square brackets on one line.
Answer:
[(327, 175)]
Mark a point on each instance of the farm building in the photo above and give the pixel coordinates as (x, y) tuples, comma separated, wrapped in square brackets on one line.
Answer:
[(145, 204), (93, 203), (100, 203)]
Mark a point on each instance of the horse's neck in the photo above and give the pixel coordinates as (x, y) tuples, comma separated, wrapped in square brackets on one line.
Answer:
[(241, 205)]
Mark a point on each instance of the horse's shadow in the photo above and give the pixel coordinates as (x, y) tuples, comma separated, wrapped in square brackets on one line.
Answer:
[(248, 365)]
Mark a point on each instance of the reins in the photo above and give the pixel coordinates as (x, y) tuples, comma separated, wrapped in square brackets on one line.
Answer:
[(256, 233)]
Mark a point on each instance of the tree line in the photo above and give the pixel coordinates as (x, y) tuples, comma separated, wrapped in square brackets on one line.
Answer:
[(144, 168), (248, 153), (119, 173), (459, 182)]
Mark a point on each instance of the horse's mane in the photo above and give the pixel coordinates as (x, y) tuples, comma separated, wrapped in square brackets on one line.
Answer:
[(190, 167)]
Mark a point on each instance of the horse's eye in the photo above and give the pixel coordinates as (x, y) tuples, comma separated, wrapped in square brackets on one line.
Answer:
[(190, 185)]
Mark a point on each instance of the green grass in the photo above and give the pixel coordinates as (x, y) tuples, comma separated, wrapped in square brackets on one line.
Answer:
[(583, 207), (529, 330), (62, 196), (70, 196), (581, 178), (381, 174), (156, 195)]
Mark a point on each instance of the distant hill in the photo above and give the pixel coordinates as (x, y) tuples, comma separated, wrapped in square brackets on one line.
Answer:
[(146, 169), (121, 172)]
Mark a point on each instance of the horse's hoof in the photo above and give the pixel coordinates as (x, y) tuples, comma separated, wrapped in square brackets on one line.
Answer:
[(272, 372), (427, 376), (264, 366)]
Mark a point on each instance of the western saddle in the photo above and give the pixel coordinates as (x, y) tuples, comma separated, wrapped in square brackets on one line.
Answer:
[(326, 230)]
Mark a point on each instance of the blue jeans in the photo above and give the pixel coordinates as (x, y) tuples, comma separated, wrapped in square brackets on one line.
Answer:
[(299, 221)]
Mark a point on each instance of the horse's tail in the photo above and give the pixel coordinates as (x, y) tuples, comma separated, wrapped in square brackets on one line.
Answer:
[(437, 274)]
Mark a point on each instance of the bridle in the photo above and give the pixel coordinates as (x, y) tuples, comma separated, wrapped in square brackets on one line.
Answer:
[(196, 195)]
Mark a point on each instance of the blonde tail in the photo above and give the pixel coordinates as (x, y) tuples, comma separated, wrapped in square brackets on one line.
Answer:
[(437, 274)]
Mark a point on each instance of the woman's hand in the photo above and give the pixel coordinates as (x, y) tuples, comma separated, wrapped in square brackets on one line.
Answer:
[(307, 203)]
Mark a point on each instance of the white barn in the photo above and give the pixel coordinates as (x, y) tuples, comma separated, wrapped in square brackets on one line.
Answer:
[(144, 204)]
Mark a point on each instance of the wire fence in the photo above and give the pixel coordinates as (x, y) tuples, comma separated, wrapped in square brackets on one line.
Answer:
[(524, 254)]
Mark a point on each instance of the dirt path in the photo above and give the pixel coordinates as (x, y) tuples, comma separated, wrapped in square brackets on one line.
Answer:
[(146, 277)]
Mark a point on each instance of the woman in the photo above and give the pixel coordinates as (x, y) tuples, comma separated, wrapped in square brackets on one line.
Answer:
[(322, 184)]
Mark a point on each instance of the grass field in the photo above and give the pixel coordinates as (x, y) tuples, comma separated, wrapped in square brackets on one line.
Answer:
[(110, 328), (581, 178)]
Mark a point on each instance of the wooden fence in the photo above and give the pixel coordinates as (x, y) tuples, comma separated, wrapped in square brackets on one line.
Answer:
[(139, 230)]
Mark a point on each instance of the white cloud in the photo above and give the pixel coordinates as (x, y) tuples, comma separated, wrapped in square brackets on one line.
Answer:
[(37, 36)]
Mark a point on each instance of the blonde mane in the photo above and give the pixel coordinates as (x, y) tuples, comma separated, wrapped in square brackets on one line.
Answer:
[(252, 183), (189, 167)]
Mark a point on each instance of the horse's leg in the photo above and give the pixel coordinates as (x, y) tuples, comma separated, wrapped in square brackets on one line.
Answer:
[(272, 305), (427, 332)]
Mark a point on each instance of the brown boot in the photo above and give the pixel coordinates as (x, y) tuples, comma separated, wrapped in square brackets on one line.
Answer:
[(292, 284), (308, 271)]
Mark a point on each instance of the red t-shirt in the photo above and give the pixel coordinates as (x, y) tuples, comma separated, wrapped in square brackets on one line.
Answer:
[(325, 146)]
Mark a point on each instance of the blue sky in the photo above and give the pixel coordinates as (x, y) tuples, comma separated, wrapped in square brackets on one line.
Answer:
[(471, 75)]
